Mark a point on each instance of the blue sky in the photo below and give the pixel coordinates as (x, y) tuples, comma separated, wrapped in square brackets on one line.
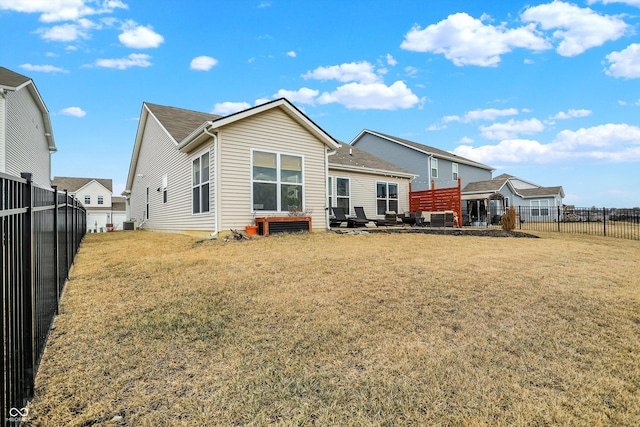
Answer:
[(548, 91)]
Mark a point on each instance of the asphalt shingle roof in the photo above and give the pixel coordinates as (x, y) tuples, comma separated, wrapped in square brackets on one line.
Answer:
[(179, 122), (74, 184), (10, 78), (348, 155)]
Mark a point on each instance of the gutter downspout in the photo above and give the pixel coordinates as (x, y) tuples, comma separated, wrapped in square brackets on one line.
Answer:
[(216, 163)]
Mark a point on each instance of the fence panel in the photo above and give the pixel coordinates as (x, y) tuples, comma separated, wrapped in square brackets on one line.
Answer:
[(41, 233), (611, 222)]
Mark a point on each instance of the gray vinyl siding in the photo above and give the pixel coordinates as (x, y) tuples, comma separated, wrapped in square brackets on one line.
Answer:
[(405, 157), (420, 163), (363, 191), (27, 149), (274, 131), (159, 156)]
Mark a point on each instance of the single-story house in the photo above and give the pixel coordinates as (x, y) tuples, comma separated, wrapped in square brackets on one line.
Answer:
[(488, 200), (96, 194), (429, 164), (202, 173), (26, 136)]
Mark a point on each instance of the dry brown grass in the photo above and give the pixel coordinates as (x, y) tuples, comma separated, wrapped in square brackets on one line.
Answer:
[(326, 329)]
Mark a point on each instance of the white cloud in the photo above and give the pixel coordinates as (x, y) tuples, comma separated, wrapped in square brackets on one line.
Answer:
[(133, 60), (629, 2), (303, 95), (376, 96), (261, 101), (625, 63), (361, 72), (578, 28), (139, 37), (608, 142), (226, 108), (512, 129), (63, 33), (485, 114), (411, 71), (61, 10), (73, 111), (43, 68), (203, 63), (465, 40), (572, 114), (291, 53), (391, 60)]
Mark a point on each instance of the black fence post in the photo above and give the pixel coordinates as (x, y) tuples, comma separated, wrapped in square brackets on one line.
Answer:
[(604, 221), (27, 291), (56, 252)]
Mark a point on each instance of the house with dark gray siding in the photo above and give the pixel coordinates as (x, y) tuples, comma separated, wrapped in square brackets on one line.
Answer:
[(427, 163)]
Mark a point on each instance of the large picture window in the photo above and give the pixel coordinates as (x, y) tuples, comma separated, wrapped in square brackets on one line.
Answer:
[(200, 184), (386, 197), (277, 182), (539, 208)]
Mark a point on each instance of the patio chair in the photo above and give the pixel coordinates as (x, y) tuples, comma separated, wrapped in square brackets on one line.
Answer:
[(340, 217), (361, 216)]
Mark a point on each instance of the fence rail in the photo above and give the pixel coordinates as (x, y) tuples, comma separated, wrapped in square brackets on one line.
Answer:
[(41, 233), (611, 222)]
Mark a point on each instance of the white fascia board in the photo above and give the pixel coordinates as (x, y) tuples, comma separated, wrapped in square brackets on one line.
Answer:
[(144, 114)]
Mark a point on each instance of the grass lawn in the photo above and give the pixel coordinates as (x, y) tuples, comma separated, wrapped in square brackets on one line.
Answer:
[(408, 329)]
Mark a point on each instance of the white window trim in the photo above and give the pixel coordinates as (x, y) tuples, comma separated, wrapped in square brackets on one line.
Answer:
[(100, 200), (85, 200), (334, 202), (455, 174), (539, 206), (431, 168), (199, 156), (278, 182), (388, 198)]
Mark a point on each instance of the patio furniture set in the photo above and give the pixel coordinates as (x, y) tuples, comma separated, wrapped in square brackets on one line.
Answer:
[(392, 219)]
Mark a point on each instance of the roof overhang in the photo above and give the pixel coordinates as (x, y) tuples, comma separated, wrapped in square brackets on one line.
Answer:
[(477, 196), (381, 172)]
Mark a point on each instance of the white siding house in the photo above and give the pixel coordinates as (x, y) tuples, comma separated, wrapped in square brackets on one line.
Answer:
[(26, 138), (201, 173), (96, 196)]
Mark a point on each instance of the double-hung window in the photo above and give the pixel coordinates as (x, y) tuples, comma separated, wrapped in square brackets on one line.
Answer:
[(101, 200), (434, 168), (343, 194), (386, 197), (87, 200), (277, 182), (454, 171), (164, 189), (200, 184)]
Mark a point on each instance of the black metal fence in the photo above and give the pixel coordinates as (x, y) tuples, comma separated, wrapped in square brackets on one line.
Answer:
[(41, 233), (611, 222)]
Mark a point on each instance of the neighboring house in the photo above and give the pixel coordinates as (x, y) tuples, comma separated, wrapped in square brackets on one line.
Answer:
[(428, 163), (358, 178), (96, 196), (485, 200), (26, 138), (202, 173)]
